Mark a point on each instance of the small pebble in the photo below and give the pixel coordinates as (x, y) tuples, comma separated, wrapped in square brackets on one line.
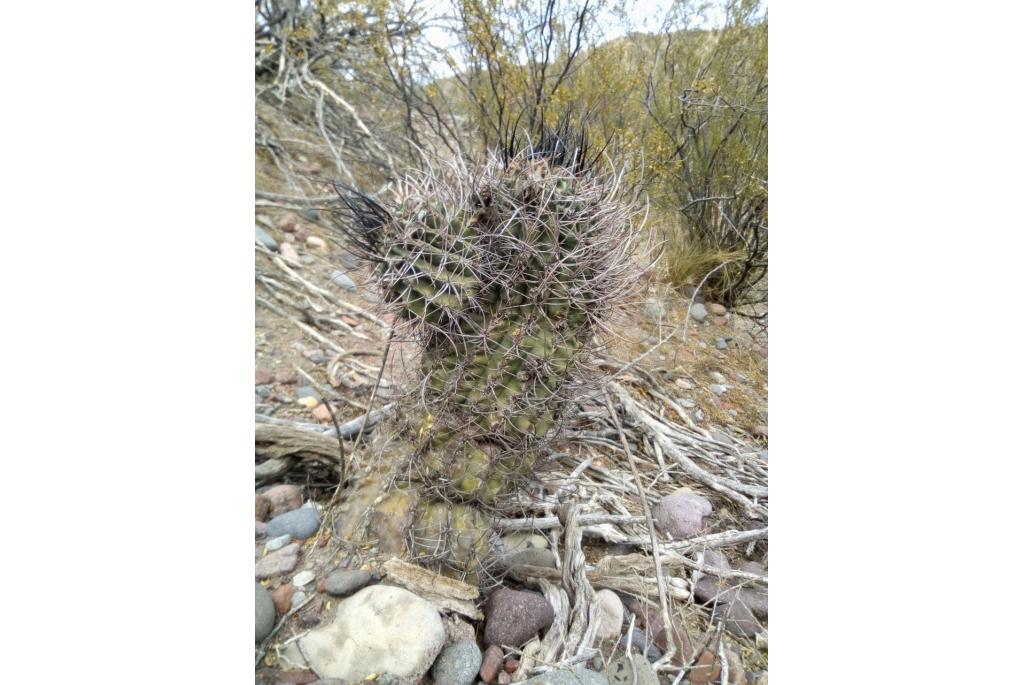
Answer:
[(322, 414), (318, 243), (721, 344), (277, 543), (340, 279), (282, 597), (297, 599), (717, 388), (265, 239), (344, 582), (289, 253), (303, 578), (307, 391)]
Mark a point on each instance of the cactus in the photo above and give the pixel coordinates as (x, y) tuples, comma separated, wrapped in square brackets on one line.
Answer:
[(502, 272)]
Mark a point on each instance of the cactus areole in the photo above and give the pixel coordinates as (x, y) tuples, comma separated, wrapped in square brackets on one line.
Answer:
[(503, 272)]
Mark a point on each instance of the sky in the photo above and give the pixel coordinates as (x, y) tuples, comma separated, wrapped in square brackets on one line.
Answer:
[(642, 15)]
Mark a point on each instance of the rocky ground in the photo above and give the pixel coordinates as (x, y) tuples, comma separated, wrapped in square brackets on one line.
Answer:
[(331, 610)]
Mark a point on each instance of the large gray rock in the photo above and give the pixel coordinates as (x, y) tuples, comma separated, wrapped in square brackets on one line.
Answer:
[(265, 613), (514, 616), (681, 514), (458, 664), (300, 524), (381, 629), (698, 312)]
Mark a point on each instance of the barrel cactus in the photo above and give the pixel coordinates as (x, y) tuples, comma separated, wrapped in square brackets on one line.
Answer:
[(503, 272)]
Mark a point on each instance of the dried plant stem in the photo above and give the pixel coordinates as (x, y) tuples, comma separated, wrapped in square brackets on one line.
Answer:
[(329, 510), (666, 616)]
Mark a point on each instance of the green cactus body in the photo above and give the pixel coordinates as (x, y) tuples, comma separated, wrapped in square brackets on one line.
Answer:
[(500, 272)]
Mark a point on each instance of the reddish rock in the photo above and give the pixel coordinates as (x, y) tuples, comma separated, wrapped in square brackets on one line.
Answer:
[(514, 616), (262, 507), (283, 560), (263, 377), (684, 645), (321, 413), (287, 377), (491, 664), (288, 223), (682, 514), (304, 677), (708, 668), (646, 617), (511, 665), (261, 529), (282, 597), (717, 309), (283, 498), (350, 320), (310, 616)]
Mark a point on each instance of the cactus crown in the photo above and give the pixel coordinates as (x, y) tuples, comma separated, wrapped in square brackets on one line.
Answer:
[(502, 272)]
